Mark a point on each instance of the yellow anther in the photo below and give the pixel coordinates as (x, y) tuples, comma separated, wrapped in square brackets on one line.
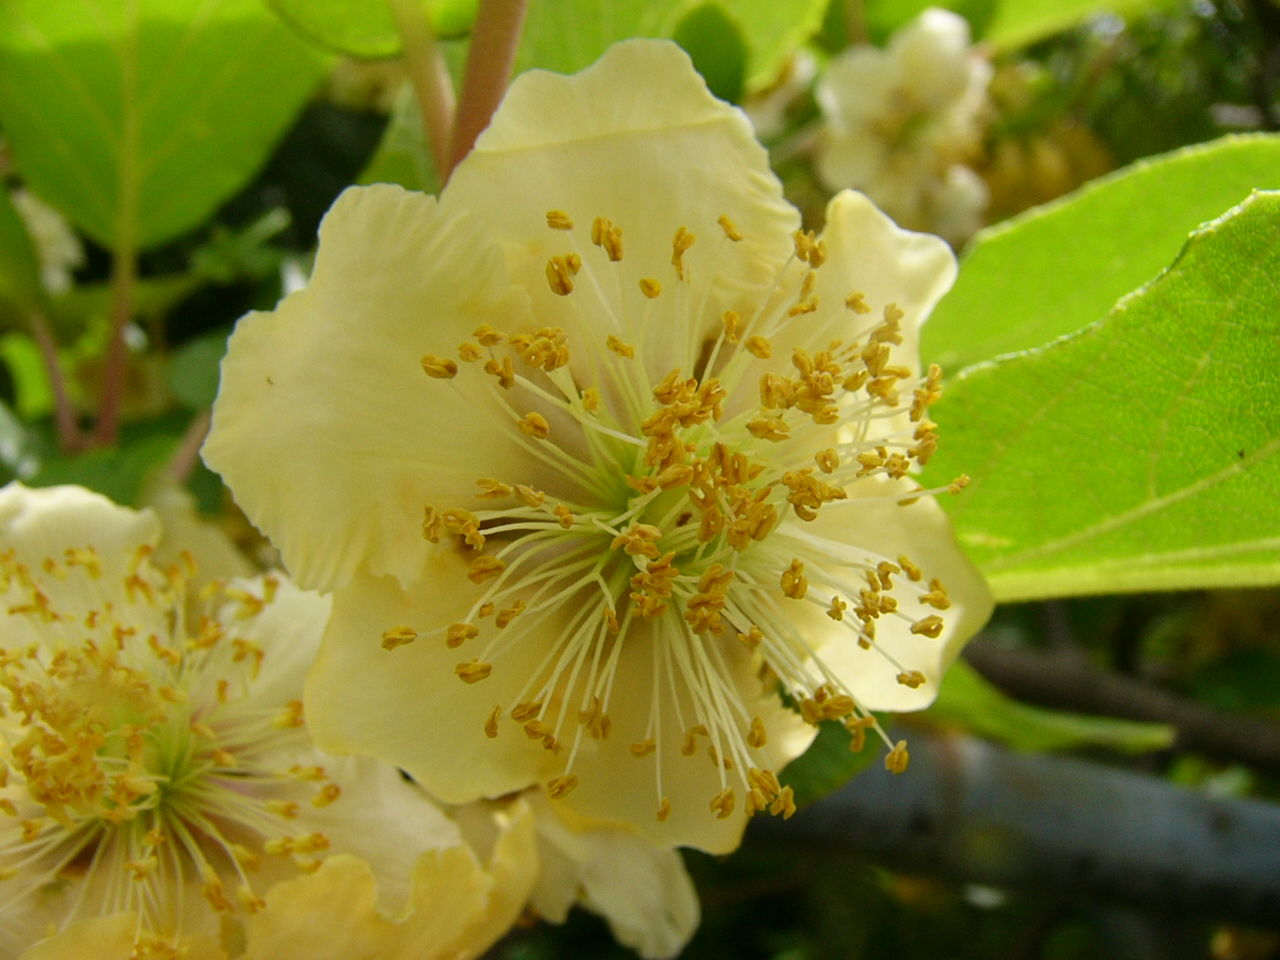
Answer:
[(611, 621), (440, 368), (769, 428), (458, 633), (756, 736), (558, 787), (936, 597), (620, 348), (857, 302), (959, 483), (535, 425), (930, 626), (607, 235), (896, 760), (141, 869), (523, 712), (559, 220), (326, 795), (561, 271), (689, 745), (794, 583), (473, 671), (504, 617), (249, 901), (759, 347), (722, 804), (911, 678), (488, 336), (784, 804), (664, 809), (650, 287), (503, 370), (491, 489), (752, 638), (732, 323), (837, 608), (290, 715), (491, 722), (469, 352), (398, 637), (284, 808), (828, 460), (643, 748), (728, 227), (680, 243)]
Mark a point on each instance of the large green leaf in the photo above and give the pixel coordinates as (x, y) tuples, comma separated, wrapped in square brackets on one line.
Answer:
[(1060, 267), (364, 28), (19, 269), (970, 702), (568, 35), (1143, 452), (1017, 23), (137, 119)]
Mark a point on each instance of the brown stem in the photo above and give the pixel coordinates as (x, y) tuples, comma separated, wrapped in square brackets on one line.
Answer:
[(187, 455), (64, 414), (855, 13), (124, 276), (489, 62), (429, 75), (1067, 682)]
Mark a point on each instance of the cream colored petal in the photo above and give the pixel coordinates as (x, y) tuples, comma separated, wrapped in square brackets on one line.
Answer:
[(100, 938), (328, 915), (287, 630), (642, 890), (638, 139), (111, 938), (511, 871), (616, 787), (216, 557), (933, 54), (382, 819), (326, 428), (866, 524), (41, 525), (406, 706), (856, 89)]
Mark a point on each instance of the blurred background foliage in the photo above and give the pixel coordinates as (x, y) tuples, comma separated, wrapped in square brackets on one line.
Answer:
[(205, 205)]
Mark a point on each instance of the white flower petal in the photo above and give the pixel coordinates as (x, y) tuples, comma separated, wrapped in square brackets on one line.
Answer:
[(326, 427)]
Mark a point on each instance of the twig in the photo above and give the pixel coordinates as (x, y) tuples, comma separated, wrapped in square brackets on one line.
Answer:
[(1070, 683), (187, 455), (124, 275), (970, 811), (429, 76), (64, 413), (489, 62)]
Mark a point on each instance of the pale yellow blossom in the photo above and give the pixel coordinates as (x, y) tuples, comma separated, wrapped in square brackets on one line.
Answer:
[(599, 454), (159, 793), (904, 123)]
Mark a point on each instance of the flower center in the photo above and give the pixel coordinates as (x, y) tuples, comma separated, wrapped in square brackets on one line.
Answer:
[(133, 763), (685, 511)]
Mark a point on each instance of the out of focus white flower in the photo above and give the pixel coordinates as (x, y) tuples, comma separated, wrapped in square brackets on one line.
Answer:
[(903, 122), (58, 249), (767, 110)]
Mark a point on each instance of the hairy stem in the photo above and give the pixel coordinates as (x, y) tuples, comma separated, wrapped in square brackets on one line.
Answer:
[(64, 414), (493, 51), (430, 78)]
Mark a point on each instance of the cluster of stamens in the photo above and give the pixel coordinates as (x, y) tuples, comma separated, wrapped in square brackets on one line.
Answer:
[(131, 764), (678, 512)]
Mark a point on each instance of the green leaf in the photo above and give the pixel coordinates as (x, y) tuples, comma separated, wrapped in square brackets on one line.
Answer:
[(1017, 23), (568, 35), (19, 268), (968, 701), (34, 394), (1061, 267), (136, 120), (116, 472), (193, 370), (716, 46), (827, 765), (1142, 452), (364, 28)]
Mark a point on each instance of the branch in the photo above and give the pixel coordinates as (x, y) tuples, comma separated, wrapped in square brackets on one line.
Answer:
[(489, 62), (967, 810), (430, 78), (64, 413), (1067, 682)]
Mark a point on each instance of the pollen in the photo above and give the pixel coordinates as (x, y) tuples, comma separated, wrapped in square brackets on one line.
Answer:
[(397, 637), (440, 368)]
